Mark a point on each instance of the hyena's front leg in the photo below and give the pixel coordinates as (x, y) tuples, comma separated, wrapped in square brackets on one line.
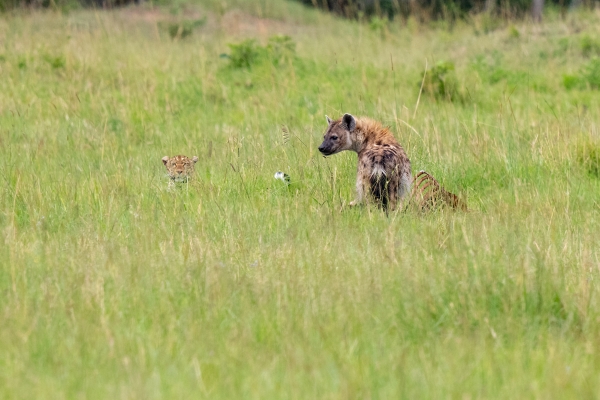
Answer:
[(360, 189)]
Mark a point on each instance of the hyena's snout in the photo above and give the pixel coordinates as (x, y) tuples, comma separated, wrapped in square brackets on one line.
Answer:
[(322, 147), (326, 148)]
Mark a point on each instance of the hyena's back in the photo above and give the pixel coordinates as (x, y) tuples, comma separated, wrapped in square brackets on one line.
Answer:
[(386, 173)]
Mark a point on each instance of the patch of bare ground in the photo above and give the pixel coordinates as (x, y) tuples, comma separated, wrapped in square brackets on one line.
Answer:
[(234, 23), (156, 16), (239, 23)]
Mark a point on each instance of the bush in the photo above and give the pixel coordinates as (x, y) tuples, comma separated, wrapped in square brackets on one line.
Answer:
[(55, 62), (244, 54), (184, 29), (440, 82), (589, 46), (591, 73), (571, 81), (279, 49), (588, 156), (588, 77), (423, 9), (6, 5)]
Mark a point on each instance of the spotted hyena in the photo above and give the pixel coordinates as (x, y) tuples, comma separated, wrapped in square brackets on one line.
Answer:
[(384, 173)]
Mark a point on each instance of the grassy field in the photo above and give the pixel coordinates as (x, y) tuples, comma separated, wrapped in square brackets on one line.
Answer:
[(234, 286)]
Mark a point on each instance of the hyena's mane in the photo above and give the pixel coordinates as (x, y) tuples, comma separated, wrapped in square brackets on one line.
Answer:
[(373, 130)]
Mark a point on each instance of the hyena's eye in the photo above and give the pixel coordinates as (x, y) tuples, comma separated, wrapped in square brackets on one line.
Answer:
[(334, 138)]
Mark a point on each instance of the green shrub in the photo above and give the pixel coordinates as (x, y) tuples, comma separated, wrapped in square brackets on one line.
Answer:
[(55, 62), (591, 73), (244, 54), (184, 29), (378, 24), (571, 81), (588, 76), (513, 32), (281, 48), (588, 155), (440, 82), (589, 46)]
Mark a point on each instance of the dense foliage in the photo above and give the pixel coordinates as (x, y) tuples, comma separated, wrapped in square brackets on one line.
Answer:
[(422, 9), (426, 9)]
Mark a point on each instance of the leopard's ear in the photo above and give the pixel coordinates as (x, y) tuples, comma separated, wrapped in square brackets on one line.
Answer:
[(195, 159), (165, 159)]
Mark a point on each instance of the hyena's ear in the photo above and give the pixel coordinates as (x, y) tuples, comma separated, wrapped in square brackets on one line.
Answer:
[(349, 121), (165, 159), (329, 121), (195, 159)]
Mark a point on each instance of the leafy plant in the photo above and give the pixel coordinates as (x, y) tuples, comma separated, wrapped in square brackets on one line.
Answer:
[(378, 24), (589, 46), (588, 76), (591, 73), (244, 54), (440, 81), (184, 29), (55, 62), (588, 155), (281, 48), (571, 81), (513, 32)]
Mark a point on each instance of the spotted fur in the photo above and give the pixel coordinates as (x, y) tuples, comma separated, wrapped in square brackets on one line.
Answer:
[(428, 194), (179, 168), (384, 172)]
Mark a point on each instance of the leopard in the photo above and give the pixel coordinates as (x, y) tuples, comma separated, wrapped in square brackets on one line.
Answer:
[(429, 195), (180, 168)]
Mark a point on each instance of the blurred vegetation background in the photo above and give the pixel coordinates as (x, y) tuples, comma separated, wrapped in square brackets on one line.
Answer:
[(358, 9)]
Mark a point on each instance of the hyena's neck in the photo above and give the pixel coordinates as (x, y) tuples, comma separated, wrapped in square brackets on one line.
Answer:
[(367, 133), (359, 141)]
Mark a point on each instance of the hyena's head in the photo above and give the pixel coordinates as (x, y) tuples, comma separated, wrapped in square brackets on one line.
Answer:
[(338, 136)]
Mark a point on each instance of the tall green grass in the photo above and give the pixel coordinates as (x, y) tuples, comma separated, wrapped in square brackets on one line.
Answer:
[(235, 286)]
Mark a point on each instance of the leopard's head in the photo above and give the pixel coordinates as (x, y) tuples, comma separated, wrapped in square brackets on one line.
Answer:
[(180, 168)]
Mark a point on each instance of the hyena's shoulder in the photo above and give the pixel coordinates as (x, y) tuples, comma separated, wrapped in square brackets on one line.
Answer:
[(387, 155), (381, 151)]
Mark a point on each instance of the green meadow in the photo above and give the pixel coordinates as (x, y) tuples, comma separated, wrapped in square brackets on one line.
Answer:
[(233, 286)]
